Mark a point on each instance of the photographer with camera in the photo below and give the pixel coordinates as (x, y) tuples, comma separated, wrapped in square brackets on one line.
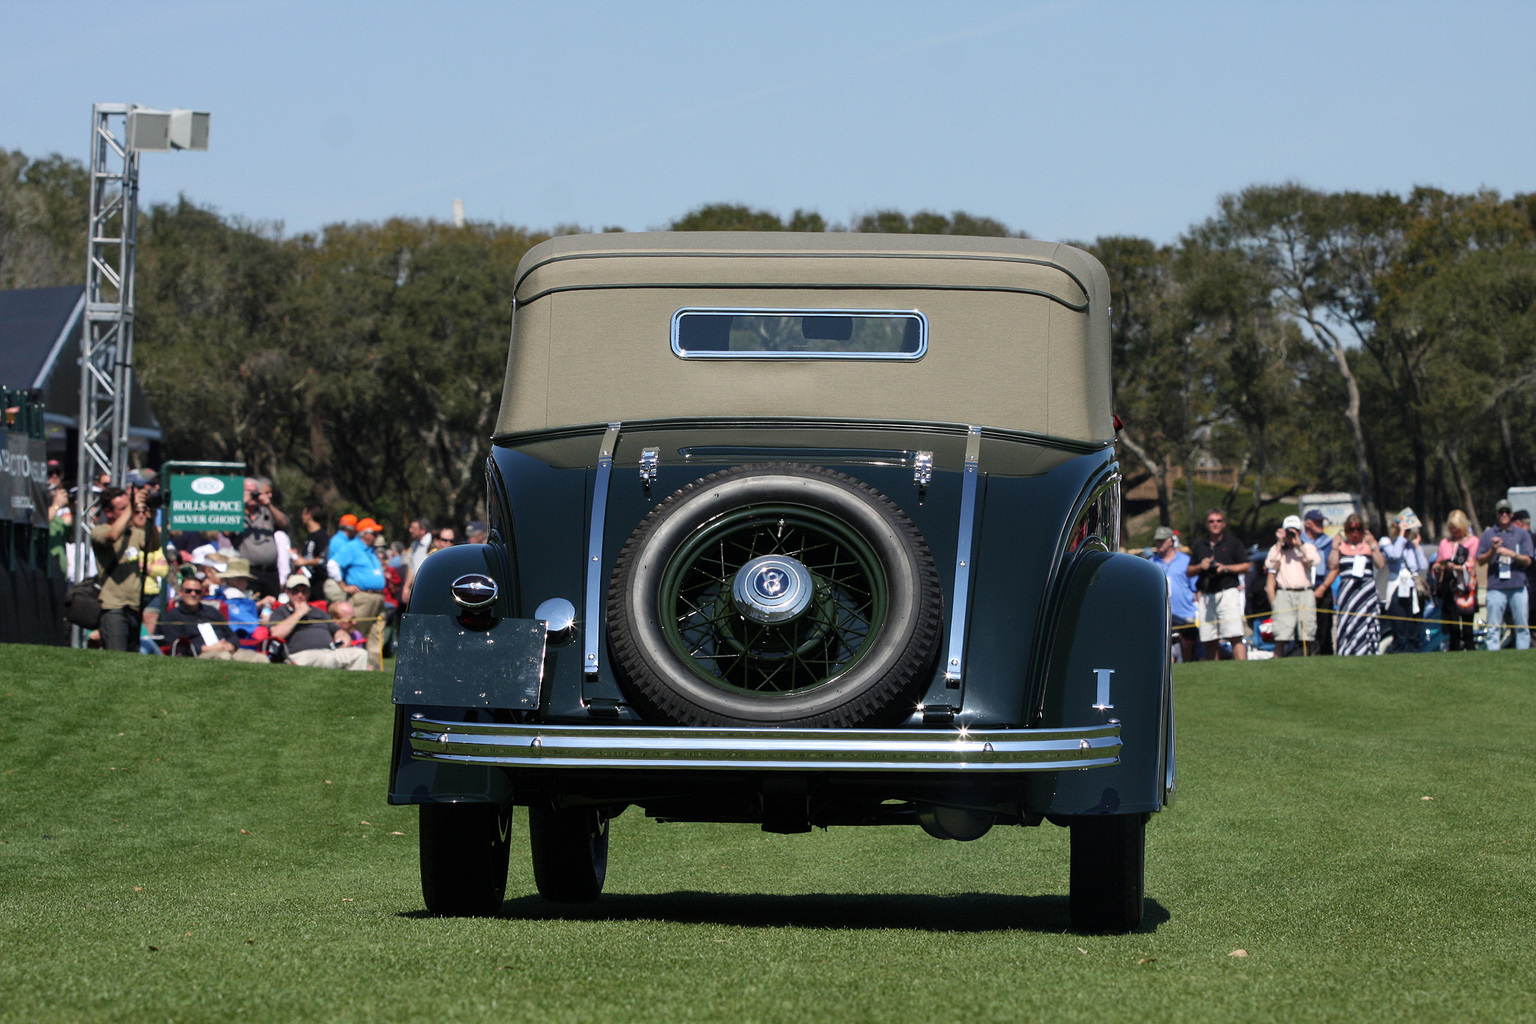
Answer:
[(122, 545), (258, 543), (1288, 583), (1407, 573)]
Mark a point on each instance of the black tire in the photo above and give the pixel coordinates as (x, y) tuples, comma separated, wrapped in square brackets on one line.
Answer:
[(852, 660), (1108, 862), (570, 852), (464, 850)]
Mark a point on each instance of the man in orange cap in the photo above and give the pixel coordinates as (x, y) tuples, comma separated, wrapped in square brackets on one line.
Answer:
[(361, 579), (346, 531)]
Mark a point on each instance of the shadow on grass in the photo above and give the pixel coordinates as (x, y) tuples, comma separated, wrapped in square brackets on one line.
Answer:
[(961, 912)]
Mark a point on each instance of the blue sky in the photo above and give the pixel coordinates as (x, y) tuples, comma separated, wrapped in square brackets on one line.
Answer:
[(1068, 120)]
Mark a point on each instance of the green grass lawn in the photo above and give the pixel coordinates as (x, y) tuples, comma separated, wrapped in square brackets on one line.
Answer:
[(184, 841)]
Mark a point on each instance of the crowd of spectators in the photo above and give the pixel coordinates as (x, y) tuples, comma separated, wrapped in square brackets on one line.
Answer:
[(279, 589), (1313, 592)]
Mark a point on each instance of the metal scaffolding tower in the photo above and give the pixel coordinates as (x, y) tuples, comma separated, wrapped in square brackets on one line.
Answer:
[(106, 347), (119, 133)]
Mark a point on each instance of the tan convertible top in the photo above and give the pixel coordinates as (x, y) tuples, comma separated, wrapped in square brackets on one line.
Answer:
[(1018, 330)]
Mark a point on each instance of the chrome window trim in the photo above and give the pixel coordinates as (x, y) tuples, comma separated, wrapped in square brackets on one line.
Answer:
[(954, 660), (513, 745), (905, 357), (594, 635)]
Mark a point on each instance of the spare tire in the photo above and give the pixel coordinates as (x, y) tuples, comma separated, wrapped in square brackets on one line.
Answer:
[(780, 594)]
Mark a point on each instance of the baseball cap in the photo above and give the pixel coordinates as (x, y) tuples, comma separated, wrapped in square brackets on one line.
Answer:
[(348, 520), (1503, 506), (1162, 533), (298, 579), (369, 526), (1316, 516), (1291, 523)]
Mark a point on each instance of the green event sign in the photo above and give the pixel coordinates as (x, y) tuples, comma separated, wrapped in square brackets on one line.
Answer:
[(205, 502)]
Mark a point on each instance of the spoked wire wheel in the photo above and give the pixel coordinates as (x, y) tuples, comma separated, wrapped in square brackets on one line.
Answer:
[(708, 630), (778, 594)]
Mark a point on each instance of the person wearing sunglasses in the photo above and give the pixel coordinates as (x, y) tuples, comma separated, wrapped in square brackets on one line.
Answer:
[(203, 626), (1353, 561), (1219, 560), (1506, 550)]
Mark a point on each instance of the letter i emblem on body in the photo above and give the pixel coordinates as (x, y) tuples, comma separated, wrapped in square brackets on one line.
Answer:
[(1103, 675)]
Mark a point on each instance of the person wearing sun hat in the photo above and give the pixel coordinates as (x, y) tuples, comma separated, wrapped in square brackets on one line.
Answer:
[(239, 597)]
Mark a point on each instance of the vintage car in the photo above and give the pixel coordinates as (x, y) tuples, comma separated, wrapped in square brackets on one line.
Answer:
[(795, 530)]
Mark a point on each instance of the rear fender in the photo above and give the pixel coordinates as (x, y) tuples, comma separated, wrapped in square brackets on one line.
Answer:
[(1111, 661), (412, 781)]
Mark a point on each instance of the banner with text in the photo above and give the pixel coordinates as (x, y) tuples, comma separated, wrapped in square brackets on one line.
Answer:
[(200, 502), (23, 478)]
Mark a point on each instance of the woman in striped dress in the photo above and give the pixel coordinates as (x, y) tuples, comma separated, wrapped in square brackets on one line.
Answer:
[(1350, 562)]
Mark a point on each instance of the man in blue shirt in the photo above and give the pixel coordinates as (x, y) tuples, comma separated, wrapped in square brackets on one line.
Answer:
[(1506, 550), (1181, 588), (361, 577), (1313, 523), (346, 533)]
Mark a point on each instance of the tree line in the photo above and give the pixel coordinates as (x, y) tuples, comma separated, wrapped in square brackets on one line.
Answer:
[(1374, 343)]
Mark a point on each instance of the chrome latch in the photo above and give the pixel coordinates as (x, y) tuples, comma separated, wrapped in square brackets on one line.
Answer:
[(922, 468), (939, 714), (649, 459)]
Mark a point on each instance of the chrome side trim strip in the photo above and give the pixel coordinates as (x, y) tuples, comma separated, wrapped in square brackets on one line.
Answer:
[(637, 746), (592, 631), (954, 666)]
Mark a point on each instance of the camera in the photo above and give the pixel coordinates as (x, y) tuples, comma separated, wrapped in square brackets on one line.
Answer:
[(150, 494)]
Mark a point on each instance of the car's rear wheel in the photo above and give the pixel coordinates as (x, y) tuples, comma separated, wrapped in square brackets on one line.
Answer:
[(570, 852), (775, 595), (464, 850), (1108, 871)]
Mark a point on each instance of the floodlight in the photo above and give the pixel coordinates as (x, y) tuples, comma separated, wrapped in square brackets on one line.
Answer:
[(189, 129), (149, 131)]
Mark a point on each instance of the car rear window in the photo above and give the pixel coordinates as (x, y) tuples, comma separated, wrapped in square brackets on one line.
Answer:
[(799, 334)]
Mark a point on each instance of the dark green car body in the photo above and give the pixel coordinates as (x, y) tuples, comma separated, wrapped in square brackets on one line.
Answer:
[(1047, 696)]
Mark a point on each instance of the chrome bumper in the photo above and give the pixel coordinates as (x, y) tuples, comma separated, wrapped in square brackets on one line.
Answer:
[(864, 750)]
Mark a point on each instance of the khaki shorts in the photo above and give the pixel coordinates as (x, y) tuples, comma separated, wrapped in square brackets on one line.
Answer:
[(1295, 615), (1221, 615), (354, 658)]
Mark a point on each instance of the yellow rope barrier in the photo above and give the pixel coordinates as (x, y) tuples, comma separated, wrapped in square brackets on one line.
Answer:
[(1364, 615)]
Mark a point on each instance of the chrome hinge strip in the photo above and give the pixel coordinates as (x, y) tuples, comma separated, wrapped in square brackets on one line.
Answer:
[(592, 634), (922, 469), (954, 660), (650, 459)]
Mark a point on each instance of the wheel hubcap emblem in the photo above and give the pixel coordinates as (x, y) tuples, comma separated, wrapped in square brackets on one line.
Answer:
[(772, 588)]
